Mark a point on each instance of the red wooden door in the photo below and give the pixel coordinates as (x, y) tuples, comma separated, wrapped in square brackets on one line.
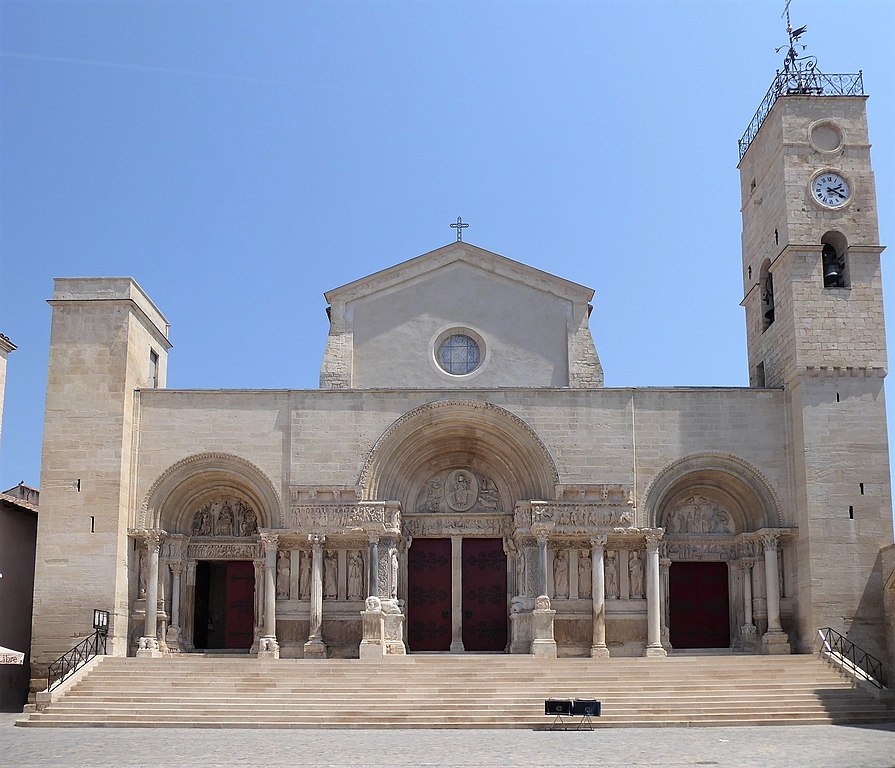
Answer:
[(699, 605), (240, 604), (429, 595), (484, 595)]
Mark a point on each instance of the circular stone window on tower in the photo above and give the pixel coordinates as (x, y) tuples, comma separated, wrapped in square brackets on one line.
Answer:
[(458, 353)]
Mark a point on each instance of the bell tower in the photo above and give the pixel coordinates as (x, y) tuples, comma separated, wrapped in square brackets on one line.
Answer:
[(814, 321)]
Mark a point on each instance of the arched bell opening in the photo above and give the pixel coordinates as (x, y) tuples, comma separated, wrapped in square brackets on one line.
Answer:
[(834, 260), (766, 292)]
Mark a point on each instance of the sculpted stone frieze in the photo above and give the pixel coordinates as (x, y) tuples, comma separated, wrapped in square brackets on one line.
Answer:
[(697, 514), (701, 550), (225, 516), (459, 490), (570, 517), (221, 551), (447, 526), (336, 518)]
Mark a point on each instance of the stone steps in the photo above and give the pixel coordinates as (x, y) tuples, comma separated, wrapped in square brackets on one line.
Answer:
[(456, 692)]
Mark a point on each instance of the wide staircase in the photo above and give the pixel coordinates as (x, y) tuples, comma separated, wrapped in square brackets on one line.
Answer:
[(466, 691)]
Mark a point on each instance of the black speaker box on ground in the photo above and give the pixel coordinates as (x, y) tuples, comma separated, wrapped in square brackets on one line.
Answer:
[(584, 707), (557, 706)]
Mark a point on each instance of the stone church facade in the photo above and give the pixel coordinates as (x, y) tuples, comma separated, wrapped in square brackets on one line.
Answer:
[(462, 481)]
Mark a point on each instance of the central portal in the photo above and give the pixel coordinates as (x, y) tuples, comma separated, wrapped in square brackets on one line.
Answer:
[(482, 600)]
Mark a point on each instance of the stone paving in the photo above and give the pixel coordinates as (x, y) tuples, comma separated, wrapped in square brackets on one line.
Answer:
[(744, 747)]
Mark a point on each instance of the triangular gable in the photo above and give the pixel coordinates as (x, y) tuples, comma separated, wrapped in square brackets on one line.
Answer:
[(476, 257)]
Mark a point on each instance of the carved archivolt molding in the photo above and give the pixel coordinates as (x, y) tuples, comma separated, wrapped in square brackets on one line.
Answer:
[(675, 474), (242, 472), (511, 423)]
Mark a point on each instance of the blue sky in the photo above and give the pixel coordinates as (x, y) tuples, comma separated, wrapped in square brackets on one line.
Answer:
[(240, 158)]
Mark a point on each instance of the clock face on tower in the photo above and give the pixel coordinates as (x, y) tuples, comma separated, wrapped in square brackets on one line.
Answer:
[(830, 190)]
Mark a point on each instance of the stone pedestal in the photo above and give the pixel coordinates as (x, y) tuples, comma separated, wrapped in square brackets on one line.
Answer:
[(543, 645), (520, 626), (372, 644), (393, 620), (775, 643), (149, 648), (268, 648), (172, 639), (749, 638)]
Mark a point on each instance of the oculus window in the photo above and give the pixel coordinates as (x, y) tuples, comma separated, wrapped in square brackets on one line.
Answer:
[(458, 354)]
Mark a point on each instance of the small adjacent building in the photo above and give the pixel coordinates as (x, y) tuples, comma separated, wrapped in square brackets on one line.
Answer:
[(18, 538)]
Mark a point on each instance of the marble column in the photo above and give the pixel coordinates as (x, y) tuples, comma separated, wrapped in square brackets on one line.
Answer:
[(654, 624), (174, 632), (149, 644), (542, 563), (747, 595), (189, 607), (457, 594), (268, 647), (598, 649), (665, 629), (259, 605), (373, 565), (315, 647), (775, 640), (748, 632), (176, 570)]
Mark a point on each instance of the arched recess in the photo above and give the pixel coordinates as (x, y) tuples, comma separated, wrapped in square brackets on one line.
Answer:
[(187, 485), (731, 482), (834, 259), (465, 433), (766, 293)]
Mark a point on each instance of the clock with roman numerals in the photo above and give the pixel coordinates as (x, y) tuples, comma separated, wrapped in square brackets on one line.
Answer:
[(830, 190)]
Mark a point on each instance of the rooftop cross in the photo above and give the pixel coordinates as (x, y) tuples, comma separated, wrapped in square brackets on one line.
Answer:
[(459, 226)]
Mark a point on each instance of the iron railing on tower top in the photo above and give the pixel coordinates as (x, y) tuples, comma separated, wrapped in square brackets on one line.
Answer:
[(804, 81)]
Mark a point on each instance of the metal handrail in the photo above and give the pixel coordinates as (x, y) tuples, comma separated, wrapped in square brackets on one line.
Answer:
[(77, 657), (804, 81), (852, 658)]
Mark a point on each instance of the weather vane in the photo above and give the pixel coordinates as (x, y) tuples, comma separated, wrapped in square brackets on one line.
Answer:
[(794, 34), (459, 226)]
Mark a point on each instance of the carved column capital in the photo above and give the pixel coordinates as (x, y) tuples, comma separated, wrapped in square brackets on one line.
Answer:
[(542, 536), (269, 540), (652, 541), (770, 541), (176, 566), (599, 540), (153, 538), (316, 540)]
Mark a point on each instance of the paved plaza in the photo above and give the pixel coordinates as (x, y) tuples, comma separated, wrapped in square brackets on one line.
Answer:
[(761, 747)]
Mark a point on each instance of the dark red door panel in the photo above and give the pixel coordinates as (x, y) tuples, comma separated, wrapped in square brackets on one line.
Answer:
[(429, 595), (240, 604), (699, 605), (484, 595)]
